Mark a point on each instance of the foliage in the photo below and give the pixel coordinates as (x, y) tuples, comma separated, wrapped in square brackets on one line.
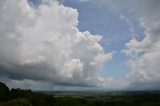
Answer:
[(17, 102), (4, 90), (19, 97)]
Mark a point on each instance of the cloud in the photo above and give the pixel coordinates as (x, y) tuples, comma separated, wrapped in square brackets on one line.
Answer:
[(114, 5), (83, 0), (145, 54), (130, 24), (43, 44)]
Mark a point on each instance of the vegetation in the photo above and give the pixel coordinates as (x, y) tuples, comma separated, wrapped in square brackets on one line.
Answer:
[(19, 97), (17, 102)]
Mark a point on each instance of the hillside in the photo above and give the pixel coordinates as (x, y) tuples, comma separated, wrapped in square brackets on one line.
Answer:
[(19, 97)]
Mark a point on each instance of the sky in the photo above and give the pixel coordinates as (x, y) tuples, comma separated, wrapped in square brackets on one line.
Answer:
[(80, 44)]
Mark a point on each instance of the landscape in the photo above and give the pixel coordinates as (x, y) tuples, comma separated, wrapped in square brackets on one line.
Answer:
[(20, 97), (79, 52)]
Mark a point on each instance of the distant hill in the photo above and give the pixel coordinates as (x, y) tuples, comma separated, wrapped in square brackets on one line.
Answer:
[(20, 97)]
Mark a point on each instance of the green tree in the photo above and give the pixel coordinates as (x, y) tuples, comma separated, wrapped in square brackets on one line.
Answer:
[(4, 91)]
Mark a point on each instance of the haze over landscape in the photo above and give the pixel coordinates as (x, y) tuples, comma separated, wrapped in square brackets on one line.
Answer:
[(80, 44)]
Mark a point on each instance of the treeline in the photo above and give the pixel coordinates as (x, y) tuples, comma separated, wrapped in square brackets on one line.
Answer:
[(19, 97)]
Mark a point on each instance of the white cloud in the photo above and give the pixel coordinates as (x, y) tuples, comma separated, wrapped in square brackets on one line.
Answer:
[(44, 44), (146, 53)]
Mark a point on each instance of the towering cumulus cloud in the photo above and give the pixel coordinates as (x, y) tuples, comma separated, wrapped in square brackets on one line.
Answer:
[(44, 44), (145, 54)]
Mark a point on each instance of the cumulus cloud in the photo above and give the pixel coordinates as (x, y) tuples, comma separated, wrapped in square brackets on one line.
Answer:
[(145, 54), (44, 44)]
